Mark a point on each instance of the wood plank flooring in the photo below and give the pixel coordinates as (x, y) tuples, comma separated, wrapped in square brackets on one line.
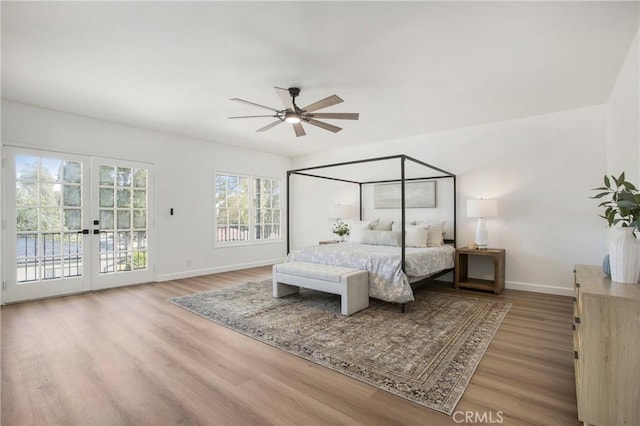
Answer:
[(128, 357)]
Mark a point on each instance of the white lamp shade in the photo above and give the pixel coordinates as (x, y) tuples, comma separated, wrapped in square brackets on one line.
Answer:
[(342, 211), (482, 208)]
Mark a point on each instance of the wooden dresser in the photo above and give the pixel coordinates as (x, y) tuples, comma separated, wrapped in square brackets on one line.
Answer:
[(606, 342)]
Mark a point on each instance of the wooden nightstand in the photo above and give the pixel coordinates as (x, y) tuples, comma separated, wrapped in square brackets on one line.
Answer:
[(328, 242), (462, 272)]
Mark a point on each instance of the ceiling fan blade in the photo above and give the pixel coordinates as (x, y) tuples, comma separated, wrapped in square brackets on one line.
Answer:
[(252, 116), (286, 98), (336, 115), (326, 126), (323, 103), (254, 104), (298, 129), (268, 126)]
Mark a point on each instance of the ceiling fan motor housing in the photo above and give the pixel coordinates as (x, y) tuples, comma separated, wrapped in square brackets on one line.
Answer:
[(294, 91)]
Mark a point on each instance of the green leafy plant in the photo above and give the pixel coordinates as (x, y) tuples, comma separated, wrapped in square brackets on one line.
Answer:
[(621, 202), (340, 228)]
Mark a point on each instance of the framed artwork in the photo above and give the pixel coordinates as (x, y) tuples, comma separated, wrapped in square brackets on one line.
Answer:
[(418, 194)]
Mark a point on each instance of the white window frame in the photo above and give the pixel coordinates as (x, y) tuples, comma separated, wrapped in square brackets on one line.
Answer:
[(252, 211)]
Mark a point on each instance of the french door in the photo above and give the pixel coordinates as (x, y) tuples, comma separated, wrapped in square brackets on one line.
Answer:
[(74, 223)]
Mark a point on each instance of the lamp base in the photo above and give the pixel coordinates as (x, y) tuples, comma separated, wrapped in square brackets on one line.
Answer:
[(482, 235)]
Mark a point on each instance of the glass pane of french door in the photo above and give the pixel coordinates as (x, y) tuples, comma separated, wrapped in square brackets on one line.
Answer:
[(45, 200), (122, 211)]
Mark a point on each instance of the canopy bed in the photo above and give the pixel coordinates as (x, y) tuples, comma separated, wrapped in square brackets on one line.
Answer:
[(392, 258)]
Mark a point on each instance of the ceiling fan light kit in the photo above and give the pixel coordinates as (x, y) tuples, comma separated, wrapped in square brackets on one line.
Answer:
[(291, 117), (296, 116)]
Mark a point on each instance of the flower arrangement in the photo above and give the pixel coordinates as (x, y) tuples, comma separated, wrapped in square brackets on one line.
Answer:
[(340, 228)]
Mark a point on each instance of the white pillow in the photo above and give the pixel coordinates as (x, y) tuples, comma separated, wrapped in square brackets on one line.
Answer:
[(356, 227), (382, 225), (435, 237), (416, 236), (436, 231), (378, 238)]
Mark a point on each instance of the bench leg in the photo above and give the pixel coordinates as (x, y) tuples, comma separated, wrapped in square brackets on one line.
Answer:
[(355, 296), (282, 290)]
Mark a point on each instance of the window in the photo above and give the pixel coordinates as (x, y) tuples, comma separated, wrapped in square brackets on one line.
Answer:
[(266, 205), (247, 208)]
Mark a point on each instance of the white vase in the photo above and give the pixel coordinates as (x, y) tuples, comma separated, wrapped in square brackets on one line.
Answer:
[(624, 256)]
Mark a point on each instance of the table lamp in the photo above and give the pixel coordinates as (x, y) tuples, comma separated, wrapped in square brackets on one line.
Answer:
[(482, 209)]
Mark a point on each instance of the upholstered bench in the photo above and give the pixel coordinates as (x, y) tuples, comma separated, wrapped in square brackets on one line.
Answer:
[(351, 284)]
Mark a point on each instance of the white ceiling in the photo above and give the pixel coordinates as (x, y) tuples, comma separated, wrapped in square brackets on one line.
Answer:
[(408, 68)]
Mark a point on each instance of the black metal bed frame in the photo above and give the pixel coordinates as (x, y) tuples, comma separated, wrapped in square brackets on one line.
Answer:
[(403, 159)]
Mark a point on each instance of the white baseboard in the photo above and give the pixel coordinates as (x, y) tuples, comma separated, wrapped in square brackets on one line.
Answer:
[(540, 288), (535, 288), (216, 270)]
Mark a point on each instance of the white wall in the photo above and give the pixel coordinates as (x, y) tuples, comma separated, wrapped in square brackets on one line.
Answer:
[(184, 170), (540, 169), (623, 122)]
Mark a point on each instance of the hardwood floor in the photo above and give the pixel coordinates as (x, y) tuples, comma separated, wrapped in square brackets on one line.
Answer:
[(127, 356)]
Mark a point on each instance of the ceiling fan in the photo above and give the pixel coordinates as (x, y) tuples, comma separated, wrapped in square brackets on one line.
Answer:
[(296, 115)]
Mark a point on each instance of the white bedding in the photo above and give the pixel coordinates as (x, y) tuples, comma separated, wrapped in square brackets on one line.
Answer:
[(386, 279)]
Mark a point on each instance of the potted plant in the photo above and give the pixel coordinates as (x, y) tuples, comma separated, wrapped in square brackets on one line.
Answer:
[(621, 203), (340, 229)]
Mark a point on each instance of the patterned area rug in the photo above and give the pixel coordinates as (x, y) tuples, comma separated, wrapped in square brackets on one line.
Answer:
[(426, 355)]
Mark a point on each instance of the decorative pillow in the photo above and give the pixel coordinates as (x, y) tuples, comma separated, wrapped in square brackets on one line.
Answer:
[(382, 225), (356, 227), (435, 236), (378, 238), (416, 236)]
